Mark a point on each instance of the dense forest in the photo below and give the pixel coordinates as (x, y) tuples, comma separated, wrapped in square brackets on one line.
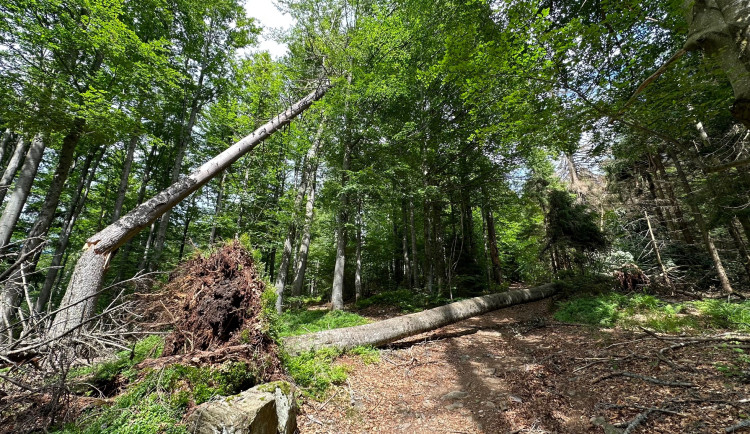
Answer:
[(445, 149)]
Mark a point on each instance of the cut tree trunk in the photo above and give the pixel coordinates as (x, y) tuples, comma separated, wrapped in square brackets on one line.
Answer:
[(91, 266), (393, 329)]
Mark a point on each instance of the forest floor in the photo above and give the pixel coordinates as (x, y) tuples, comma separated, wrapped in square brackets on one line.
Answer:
[(516, 370)]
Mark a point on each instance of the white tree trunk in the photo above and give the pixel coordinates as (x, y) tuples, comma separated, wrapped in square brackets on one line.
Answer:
[(358, 270), (91, 266), (10, 170), (393, 329), (21, 190)]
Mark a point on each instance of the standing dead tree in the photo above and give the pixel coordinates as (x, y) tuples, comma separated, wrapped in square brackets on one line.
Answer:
[(92, 265)]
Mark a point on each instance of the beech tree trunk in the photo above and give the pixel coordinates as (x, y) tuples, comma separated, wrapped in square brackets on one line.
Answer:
[(497, 275), (405, 245), (393, 329), (337, 291), (14, 288), (217, 209), (358, 268), (21, 190), (741, 247), (10, 170), (88, 173), (721, 28), (414, 267), (91, 267), (300, 267), (125, 177)]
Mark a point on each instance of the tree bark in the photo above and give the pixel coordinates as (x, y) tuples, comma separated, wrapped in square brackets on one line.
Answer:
[(405, 244), (300, 267), (337, 291), (15, 286), (217, 209), (414, 267), (741, 247), (90, 269), (722, 30), (125, 177), (21, 190), (393, 329), (88, 172), (358, 268), (497, 275), (10, 170), (658, 254)]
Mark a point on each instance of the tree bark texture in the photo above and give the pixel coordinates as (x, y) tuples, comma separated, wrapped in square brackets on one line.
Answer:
[(10, 170), (21, 190), (337, 291), (393, 329), (90, 268), (304, 247), (122, 190), (721, 28), (12, 291)]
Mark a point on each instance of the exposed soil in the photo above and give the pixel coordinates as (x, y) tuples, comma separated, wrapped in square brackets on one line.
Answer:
[(515, 370)]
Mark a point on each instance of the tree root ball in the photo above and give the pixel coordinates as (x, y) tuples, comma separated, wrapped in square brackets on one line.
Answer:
[(222, 303)]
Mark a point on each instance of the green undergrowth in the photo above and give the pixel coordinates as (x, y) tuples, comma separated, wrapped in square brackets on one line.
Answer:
[(154, 400), (300, 322), (407, 300), (316, 371), (643, 310)]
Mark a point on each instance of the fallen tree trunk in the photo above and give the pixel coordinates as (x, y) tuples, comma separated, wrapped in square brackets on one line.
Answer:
[(393, 329), (80, 296)]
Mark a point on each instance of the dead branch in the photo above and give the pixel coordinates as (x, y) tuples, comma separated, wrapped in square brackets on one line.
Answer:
[(644, 378)]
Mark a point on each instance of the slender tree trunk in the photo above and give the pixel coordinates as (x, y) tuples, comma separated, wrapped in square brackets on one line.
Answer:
[(308, 166), (217, 209), (337, 291), (5, 141), (186, 227), (745, 222), (15, 286), (304, 246), (658, 254), (741, 247), (405, 244), (709, 243), (21, 190), (124, 177), (497, 275), (88, 173), (682, 222), (90, 269), (143, 264), (412, 230), (15, 161), (429, 260), (358, 270)]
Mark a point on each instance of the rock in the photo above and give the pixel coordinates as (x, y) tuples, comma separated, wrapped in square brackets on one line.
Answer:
[(456, 394), (454, 406), (264, 409), (607, 427), (515, 398)]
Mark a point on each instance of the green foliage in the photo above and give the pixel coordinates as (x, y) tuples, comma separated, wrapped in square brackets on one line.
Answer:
[(722, 314), (292, 323), (408, 301)]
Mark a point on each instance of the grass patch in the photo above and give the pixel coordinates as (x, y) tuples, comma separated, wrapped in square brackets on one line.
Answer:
[(315, 372), (630, 311), (300, 322), (408, 301)]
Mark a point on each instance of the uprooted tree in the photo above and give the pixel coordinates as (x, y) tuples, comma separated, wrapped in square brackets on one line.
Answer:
[(79, 300)]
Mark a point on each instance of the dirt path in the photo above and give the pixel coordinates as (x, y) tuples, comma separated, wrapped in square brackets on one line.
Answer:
[(516, 370)]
